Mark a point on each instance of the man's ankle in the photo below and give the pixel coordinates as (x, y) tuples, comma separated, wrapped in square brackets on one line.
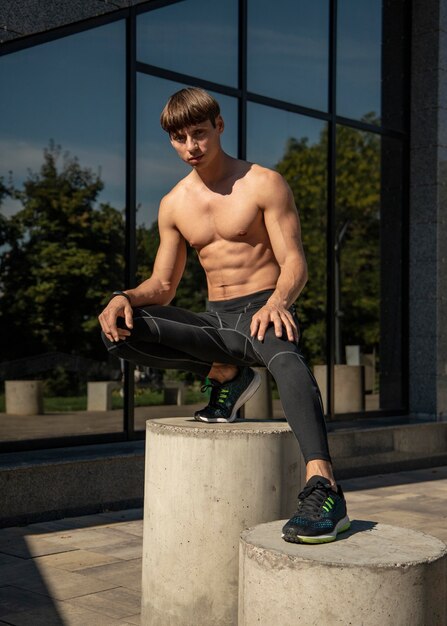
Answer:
[(320, 467), (223, 374)]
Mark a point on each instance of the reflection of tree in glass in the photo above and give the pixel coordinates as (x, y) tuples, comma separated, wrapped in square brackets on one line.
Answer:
[(192, 290), (62, 256), (358, 196)]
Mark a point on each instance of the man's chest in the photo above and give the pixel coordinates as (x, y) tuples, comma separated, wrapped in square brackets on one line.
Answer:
[(206, 220)]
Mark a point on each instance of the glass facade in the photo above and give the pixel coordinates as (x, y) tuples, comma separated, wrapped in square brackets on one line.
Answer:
[(314, 90), (288, 51), (296, 146), (63, 225), (359, 50), (194, 37)]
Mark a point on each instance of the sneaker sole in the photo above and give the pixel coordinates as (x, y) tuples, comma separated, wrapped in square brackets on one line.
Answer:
[(243, 398), (342, 526)]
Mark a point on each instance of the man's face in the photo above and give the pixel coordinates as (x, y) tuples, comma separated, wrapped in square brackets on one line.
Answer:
[(197, 144)]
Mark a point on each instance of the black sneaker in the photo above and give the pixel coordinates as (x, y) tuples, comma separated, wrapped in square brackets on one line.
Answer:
[(320, 516), (227, 398)]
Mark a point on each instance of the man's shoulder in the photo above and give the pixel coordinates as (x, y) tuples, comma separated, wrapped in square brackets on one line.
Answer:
[(176, 193), (260, 175), (258, 172)]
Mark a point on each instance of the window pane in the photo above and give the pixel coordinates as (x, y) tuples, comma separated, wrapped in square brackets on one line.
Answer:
[(288, 50), (196, 37), (63, 253), (359, 41), (296, 146), (158, 170), (368, 255)]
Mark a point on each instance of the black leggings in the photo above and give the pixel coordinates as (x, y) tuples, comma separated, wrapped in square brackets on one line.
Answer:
[(171, 337)]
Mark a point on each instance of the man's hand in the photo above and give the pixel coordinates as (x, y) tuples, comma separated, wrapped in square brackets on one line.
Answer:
[(118, 306), (277, 315)]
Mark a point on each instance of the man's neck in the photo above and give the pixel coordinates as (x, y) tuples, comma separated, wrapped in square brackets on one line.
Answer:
[(219, 169)]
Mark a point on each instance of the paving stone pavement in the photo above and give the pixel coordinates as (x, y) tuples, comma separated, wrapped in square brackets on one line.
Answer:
[(86, 571)]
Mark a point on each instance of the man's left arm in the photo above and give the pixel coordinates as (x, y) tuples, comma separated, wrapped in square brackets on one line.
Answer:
[(283, 227)]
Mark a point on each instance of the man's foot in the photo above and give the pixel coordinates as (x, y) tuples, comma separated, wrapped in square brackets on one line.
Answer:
[(226, 398), (320, 516)]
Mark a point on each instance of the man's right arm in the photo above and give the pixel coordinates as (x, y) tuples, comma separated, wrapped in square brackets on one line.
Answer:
[(160, 288)]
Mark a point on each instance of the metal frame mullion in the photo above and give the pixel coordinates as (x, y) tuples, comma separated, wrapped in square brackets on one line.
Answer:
[(405, 286), (130, 245), (330, 226), (242, 79), (153, 70)]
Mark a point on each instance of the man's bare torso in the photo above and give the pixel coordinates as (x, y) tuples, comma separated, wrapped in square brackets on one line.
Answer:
[(225, 224)]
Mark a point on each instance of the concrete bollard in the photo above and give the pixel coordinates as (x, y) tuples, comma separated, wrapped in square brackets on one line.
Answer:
[(23, 397), (204, 484), (99, 395), (374, 575), (260, 405), (174, 392), (349, 387)]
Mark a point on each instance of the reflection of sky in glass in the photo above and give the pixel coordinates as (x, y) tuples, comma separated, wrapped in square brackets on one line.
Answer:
[(196, 37), (359, 57), (158, 166), (288, 50), (268, 131), (72, 91)]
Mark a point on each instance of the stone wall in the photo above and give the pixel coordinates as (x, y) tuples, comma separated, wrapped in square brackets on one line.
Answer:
[(428, 209), (27, 17)]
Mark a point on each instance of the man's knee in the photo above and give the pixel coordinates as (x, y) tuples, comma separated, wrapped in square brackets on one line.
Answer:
[(289, 365)]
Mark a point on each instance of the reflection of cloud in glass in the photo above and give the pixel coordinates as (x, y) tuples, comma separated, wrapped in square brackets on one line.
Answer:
[(19, 156), (288, 50), (71, 90), (268, 131), (359, 41), (190, 38), (288, 44)]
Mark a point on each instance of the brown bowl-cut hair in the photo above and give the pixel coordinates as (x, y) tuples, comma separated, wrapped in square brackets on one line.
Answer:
[(188, 107)]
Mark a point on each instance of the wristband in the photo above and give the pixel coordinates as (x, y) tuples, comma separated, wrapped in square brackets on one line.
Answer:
[(122, 293)]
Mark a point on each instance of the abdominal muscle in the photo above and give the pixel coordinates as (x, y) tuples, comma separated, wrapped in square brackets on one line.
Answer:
[(235, 269)]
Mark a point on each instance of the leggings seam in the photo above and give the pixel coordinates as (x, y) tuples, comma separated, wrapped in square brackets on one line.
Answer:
[(285, 352), (153, 319), (260, 357), (160, 358), (220, 321), (238, 320)]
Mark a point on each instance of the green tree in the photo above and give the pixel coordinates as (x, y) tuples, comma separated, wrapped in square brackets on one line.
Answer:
[(61, 256), (358, 203), (192, 290)]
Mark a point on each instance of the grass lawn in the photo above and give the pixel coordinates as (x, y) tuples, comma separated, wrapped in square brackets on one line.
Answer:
[(144, 397)]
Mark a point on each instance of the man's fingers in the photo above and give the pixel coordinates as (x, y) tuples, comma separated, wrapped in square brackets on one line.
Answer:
[(263, 325), (128, 316), (281, 320), (123, 333), (254, 326), (289, 323), (278, 323), (109, 327)]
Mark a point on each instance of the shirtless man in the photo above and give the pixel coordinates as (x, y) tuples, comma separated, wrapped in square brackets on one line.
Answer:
[(242, 220)]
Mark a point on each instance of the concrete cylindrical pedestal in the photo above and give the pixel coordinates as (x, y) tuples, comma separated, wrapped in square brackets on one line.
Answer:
[(374, 575), (23, 397), (204, 484), (260, 405), (349, 387)]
